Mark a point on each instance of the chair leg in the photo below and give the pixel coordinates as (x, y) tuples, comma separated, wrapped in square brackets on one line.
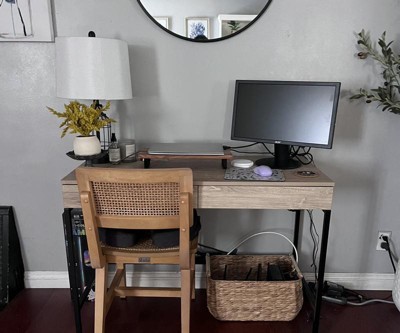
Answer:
[(193, 276), (123, 280), (186, 291), (99, 302)]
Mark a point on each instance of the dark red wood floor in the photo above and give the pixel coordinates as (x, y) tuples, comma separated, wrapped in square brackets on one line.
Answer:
[(50, 311)]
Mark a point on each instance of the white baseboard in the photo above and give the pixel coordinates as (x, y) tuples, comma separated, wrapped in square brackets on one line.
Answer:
[(46, 279), (354, 281), (358, 281), (57, 279)]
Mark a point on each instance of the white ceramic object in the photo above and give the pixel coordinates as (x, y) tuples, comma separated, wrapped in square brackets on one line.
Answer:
[(128, 150), (242, 163), (87, 145), (396, 287)]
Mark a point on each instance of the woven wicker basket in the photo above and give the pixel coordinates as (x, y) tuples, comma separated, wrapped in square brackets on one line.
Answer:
[(237, 299)]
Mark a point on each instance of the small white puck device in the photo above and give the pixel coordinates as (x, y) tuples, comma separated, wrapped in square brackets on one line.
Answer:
[(241, 163)]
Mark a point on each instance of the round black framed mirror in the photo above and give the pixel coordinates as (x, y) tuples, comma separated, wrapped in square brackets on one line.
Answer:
[(206, 20)]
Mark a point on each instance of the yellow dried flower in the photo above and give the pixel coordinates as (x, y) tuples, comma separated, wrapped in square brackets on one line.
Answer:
[(82, 119)]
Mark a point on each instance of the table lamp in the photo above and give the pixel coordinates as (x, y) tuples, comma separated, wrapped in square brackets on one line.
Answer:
[(89, 68)]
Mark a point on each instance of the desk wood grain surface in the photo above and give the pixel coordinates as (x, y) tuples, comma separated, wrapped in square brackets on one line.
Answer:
[(211, 190)]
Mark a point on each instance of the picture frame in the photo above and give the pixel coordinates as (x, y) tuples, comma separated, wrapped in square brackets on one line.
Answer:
[(197, 26), (163, 21), (230, 24), (26, 21)]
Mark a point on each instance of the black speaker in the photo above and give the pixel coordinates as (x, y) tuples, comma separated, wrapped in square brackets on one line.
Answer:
[(11, 264)]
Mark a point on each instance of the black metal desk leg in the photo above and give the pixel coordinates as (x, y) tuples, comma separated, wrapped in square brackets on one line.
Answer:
[(72, 269), (321, 270), (296, 229), (146, 163)]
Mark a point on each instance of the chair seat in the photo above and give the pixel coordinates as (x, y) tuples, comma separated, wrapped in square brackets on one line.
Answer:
[(144, 246)]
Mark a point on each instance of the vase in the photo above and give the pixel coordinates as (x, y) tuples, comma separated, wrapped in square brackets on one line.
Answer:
[(87, 145), (396, 287)]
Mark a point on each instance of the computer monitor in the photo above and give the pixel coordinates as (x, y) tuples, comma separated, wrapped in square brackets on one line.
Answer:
[(285, 113)]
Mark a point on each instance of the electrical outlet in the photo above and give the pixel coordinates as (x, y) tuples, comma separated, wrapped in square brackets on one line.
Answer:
[(380, 240)]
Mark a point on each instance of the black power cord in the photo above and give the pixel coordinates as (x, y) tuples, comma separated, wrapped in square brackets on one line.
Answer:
[(333, 292), (337, 294), (300, 153), (225, 147), (212, 248), (235, 149), (203, 250), (315, 240), (386, 246)]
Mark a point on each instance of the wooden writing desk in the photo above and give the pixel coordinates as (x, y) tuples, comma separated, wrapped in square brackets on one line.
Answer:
[(211, 191)]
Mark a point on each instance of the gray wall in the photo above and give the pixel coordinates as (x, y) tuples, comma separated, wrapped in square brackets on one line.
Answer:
[(184, 92)]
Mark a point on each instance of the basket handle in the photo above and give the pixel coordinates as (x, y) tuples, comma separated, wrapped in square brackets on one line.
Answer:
[(267, 232)]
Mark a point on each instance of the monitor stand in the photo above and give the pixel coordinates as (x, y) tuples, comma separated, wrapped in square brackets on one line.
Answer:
[(281, 160), (146, 157)]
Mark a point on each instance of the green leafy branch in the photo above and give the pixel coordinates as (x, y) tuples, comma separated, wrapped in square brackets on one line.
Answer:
[(82, 119), (387, 95)]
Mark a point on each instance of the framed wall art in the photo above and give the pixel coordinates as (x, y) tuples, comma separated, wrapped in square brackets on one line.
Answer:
[(26, 21), (197, 27)]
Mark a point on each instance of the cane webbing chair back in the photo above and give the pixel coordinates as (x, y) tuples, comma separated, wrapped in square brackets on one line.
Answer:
[(139, 199)]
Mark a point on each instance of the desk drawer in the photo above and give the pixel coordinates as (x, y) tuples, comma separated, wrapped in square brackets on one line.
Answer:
[(265, 197)]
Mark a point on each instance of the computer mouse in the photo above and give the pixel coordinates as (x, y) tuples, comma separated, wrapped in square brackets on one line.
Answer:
[(263, 170)]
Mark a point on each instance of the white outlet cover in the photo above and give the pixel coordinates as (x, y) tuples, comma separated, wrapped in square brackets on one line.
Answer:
[(380, 241)]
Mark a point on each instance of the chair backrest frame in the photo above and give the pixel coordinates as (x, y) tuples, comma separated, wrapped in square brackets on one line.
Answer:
[(94, 216)]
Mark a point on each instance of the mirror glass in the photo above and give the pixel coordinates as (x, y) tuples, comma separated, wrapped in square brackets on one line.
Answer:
[(204, 20)]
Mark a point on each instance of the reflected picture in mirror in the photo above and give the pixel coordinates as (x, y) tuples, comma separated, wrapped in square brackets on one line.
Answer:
[(163, 21), (230, 24), (204, 21), (197, 27)]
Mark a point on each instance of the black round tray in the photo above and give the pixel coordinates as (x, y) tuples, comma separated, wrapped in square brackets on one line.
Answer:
[(87, 158)]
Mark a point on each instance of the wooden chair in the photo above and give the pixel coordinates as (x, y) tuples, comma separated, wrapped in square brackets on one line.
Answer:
[(138, 199)]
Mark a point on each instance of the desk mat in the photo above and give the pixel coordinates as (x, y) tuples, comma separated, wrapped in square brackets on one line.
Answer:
[(248, 174)]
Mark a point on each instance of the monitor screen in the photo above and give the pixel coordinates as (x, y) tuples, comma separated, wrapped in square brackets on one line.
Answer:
[(285, 113)]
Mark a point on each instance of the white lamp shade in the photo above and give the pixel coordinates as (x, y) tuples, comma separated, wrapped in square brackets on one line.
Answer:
[(92, 68)]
